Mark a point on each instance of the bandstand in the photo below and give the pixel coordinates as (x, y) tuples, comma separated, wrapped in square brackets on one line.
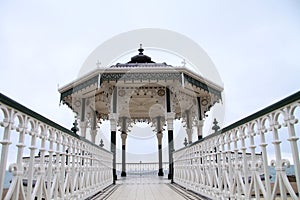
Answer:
[(256, 157), (141, 90)]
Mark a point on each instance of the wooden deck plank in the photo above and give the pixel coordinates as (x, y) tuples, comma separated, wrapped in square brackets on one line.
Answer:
[(146, 187)]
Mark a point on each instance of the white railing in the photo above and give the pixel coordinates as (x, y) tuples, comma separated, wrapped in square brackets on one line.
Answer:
[(45, 160), (142, 168), (254, 158)]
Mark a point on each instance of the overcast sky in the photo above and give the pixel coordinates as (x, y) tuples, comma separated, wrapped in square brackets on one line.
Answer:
[(254, 44)]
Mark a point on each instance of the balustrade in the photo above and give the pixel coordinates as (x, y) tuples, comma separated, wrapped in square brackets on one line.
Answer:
[(46, 160), (256, 157), (143, 168)]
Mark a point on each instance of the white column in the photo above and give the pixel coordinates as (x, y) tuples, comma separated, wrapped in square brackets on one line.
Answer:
[(83, 127), (189, 127), (94, 130), (93, 135), (189, 132), (83, 120), (200, 124), (113, 118)]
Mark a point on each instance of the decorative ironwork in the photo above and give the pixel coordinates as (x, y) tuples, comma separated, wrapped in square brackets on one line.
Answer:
[(62, 154), (79, 87), (142, 168), (139, 76), (204, 102), (202, 85), (161, 92), (150, 76), (121, 93), (234, 163)]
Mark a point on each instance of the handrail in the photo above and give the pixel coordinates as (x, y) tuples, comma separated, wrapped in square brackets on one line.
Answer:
[(142, 163), (238, 161), (290, 99), (67, 167), (142, 168), (260, 113), (13, 104)]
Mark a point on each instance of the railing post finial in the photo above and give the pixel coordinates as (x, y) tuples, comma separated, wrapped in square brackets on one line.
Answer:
[(215, 126)]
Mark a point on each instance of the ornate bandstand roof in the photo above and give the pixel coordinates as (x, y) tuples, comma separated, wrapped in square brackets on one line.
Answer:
[(141, 58), (140, 87)]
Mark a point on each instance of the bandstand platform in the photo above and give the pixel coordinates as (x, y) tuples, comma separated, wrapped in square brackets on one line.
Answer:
[(149, 187)]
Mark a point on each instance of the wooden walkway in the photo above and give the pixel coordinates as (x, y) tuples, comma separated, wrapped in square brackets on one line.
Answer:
[(146, 188)]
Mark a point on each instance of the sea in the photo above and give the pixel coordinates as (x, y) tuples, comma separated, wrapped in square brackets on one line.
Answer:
[(7, 179), (289, 171)]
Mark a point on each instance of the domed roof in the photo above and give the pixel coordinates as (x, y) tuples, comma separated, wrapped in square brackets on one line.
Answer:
[(141, 61), (109, 51), (141, 58)]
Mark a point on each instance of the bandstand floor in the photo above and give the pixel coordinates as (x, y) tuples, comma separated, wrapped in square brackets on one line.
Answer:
[(144, 188)]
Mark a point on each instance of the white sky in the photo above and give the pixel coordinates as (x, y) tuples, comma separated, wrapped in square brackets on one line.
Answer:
[(254, 44)]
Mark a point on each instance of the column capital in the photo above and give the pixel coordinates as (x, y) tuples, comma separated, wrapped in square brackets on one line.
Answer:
[(170, 115), (94, 131), (124, 137), (199, 122), (124, 124), (159, 137), (170, 120), (113, 117), (83, 124)]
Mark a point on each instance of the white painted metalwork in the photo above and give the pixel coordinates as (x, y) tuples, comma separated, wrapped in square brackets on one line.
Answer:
[(46, 160), (237, 162), (143, 168)]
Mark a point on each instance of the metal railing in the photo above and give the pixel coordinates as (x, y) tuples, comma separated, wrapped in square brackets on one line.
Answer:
[(45, 160), (142, 168), (254, 158)]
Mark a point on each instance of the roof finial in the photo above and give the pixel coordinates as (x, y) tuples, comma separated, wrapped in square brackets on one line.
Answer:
[(141, 50), (183, 62), (98, 63)]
